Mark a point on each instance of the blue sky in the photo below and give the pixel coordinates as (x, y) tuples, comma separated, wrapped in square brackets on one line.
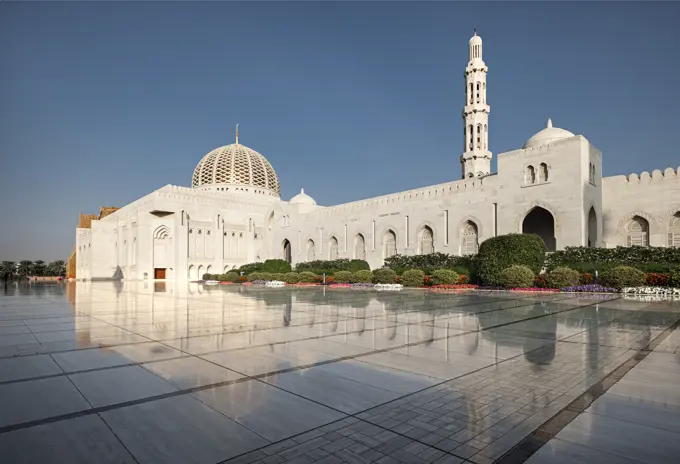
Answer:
[(102, 103)]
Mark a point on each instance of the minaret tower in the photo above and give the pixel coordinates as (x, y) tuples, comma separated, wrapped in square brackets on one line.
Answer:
[(476, 157)]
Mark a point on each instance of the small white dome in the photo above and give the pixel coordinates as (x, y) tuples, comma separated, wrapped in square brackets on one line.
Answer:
[(547, 135), (475, 39), (302, 199)]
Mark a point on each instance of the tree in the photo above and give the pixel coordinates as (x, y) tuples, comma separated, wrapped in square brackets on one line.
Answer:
[(7, 270), (56, 268), (24, 268), (38, 268)]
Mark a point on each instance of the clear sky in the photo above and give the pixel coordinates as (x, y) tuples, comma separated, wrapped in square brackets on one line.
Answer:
[(102, 103)]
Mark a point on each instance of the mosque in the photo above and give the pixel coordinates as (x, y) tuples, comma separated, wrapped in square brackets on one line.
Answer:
[(233, 214)]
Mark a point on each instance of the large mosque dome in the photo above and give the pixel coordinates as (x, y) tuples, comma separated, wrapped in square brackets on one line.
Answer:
[(236, 168), (548, 135)]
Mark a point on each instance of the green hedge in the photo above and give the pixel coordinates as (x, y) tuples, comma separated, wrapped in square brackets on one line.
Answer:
[(343, 277), (384, 275), (363, 276), (291, 278), (562, 277), (516, 276), (586, 259), (232, 277), (444, 277), (674, 278), (413, 278), (431, 262), (622, 276), (333, 266), (247, 269), (307, 277), (276, 266), (498, 253)]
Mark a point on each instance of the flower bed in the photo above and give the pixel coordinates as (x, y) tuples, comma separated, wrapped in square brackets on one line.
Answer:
[(226, 282), (340, 285), (388, 287), (454, 287), (590, 288), (275, 283), (661, 291), (362, 285), (534, 290)]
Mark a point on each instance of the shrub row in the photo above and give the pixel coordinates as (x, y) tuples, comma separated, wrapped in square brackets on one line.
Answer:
[(499, 253), (230, 276), (431, 262), (275, 266), (585, 259), (332, 266)]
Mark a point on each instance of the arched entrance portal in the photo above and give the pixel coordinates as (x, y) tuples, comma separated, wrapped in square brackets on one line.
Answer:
[(286, 251), (539, 221), (592, 228)]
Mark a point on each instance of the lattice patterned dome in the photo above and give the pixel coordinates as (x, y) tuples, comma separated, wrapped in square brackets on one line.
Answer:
[(237, 168)]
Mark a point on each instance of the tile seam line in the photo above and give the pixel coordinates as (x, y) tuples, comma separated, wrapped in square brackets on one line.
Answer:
[(244, 331), (28, 424), (541, 436), (354, 415)]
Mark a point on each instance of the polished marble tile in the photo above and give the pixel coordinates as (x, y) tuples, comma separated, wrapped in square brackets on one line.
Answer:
[(654, 414), (179, 430), (85, 359), (269, 411), (26, 367), (118, 385), (14, 330), (82, 440), (17, 339), (626, 439), (647, 391), (191, 372), (39, 399), (563, 452)]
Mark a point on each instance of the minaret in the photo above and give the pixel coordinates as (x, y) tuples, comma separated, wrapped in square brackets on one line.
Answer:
[(476, 157)]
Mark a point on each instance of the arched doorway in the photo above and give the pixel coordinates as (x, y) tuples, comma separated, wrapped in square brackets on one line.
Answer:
[(286, 251), (637, 232), (674, 231), (592, 228), (359, 247), (469, 234), (333, 249), (311, 253), (390, 243), (540, 221), (426, 241)]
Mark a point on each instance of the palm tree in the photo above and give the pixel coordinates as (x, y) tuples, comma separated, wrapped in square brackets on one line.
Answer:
[(24, 268), (57, 268), (38, 268), (7, 270)]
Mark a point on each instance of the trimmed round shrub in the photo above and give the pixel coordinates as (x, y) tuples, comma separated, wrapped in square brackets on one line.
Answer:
[(343, 277), (413, 278), (278, 276), (358, 265), (498, 253), (253, 276), (307, 277), (622, 276), (291, 277), (443, 277), (231, 277), (276, 266), (674, 278), (384, 275), (362, 277), (517, 276), (266, 276), (562, 277)]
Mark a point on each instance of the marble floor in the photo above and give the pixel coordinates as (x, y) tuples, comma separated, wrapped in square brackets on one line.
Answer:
[(169, 372)]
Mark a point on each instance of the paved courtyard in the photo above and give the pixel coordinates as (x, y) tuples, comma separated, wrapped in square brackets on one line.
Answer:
[(178, 373)]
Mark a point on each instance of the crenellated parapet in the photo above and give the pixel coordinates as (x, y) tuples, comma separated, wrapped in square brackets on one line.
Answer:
[(645, 178)]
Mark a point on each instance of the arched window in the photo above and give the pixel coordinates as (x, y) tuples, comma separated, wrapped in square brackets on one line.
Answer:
[(310, 250), (390, 243), (426, 241), (478, 100), (287, 254), (479, 137), (486, 137), (484, 92), (471, 93), (471, 128), (592, 173), (469, 244), (333, 248), (530, 175), (359, 247), (637, 232), (543, 172), (674, 231)]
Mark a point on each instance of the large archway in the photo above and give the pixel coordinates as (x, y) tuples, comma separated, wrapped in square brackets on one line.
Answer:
[(287, 255), (541, 222), (592, 228)]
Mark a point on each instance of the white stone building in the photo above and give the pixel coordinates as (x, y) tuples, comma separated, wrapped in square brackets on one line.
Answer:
[(233, 215)]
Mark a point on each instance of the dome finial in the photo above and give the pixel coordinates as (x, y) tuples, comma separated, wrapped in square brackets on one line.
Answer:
[(549, 123), (237, 133), (302, 190), (475, 31)]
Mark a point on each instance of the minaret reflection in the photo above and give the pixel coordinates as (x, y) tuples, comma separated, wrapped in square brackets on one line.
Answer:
[(536, 350)]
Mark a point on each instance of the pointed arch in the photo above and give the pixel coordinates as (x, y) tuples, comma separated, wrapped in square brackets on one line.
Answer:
[(637, 232), (311, 253), (333, 248), (543, 172), (592, 227), (530, 175), (469, 238), (390, 243), (287, 254), (541, 222), (426, 241), (359, 247), (674, 231)]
